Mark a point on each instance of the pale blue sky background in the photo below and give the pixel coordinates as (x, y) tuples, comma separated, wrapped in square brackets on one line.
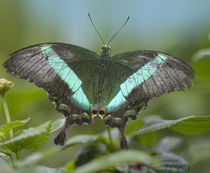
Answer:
[(150, 20)]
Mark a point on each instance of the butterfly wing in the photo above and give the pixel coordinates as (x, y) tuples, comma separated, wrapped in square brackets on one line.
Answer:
[(141, 75), (63, 70)]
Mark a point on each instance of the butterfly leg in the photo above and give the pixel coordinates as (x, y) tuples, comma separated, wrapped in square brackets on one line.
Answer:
[(123, 140), (142, 105), (72, 119), (60, 107), (120, 123), (61, 137)]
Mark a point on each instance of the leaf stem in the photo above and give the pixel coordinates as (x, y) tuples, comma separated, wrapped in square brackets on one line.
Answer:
[(7, 112), (109, 135)]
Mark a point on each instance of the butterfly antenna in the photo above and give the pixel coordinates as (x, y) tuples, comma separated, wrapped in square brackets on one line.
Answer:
[(96, 29), (119, 30)]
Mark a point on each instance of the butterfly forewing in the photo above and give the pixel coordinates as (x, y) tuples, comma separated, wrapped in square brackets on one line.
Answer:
[(67, 72)]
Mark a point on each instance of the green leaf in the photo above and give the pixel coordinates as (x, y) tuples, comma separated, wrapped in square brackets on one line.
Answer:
[(117, 158), (36, 157), (201, 54), (2, 136), (70, 166), (154, 126), (4, 153), (31, 139), (80, 139), (57, 124), (143, 169), (18, 132), (202, 59), (167, 144), (90, 152), (200, 151), (5, 129), (148, 139), (39, 169), (186, 125), (133, 125), (172, 164), (192, 125)]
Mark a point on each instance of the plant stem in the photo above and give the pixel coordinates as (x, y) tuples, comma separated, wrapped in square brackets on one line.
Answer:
[(109, 135), (18, 154), (7, 113)]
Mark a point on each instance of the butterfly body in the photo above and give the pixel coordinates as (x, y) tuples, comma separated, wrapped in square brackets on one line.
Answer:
[(83, 84)]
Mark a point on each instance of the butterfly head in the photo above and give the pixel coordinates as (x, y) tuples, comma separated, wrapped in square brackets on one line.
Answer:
[(106, 50), (100, 112)]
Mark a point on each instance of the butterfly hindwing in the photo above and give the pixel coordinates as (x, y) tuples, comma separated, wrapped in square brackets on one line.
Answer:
[(63, 70)]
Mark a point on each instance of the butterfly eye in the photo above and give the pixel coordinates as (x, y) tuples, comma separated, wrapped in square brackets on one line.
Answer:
[(94, 111), (101, 112)]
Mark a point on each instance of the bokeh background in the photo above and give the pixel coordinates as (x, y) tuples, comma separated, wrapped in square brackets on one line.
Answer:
[(178, 27)]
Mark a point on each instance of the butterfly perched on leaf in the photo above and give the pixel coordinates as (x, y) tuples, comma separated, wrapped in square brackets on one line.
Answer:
[(84, 84)]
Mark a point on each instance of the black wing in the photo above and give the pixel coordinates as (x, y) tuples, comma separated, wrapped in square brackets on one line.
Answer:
[(32, 63), (148, 74)]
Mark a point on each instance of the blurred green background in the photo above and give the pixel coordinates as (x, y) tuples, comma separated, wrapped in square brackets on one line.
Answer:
[(179, 27)]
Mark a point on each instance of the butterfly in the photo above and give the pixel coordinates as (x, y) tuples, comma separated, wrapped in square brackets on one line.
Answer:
[(84, 84)]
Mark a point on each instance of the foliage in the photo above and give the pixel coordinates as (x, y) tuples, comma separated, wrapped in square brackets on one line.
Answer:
[(6, 128), (31, 139), (186, 125), (101, 152)]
